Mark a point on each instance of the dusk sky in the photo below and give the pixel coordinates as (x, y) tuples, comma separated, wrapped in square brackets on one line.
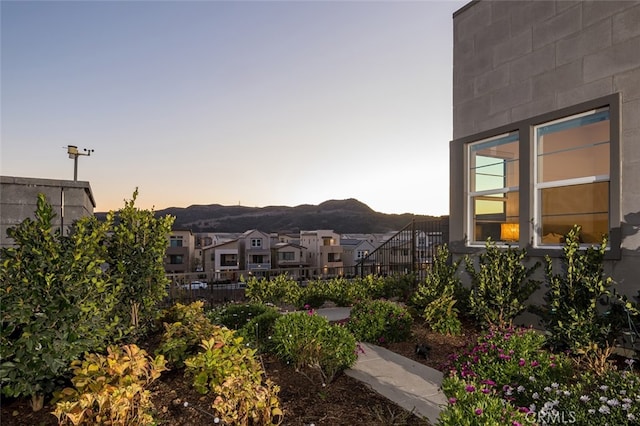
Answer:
[(236, 102)]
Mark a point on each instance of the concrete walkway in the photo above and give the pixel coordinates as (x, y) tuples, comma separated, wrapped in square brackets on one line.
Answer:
[(410, 384)]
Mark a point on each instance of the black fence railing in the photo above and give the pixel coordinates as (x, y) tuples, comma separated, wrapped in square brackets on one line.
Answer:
[(410, 251)]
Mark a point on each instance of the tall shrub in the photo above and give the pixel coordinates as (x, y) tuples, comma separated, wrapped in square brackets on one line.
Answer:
[(136, 249), (571, 313), (501, 285), (57, 302)]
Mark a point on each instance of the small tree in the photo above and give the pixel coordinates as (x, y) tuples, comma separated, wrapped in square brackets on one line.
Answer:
[(136, 250), (500, 286), (571, 314)]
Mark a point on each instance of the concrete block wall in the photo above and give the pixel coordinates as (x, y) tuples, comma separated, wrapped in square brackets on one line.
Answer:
[(19, 199), (514, 60)]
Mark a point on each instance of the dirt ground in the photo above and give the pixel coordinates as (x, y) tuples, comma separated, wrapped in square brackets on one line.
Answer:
[(345, 401)]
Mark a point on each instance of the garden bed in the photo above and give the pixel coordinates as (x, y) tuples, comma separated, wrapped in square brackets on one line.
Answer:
[(346, 401)]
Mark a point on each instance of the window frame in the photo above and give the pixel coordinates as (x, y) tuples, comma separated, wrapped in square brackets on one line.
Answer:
[(459, 174), (473, 194)]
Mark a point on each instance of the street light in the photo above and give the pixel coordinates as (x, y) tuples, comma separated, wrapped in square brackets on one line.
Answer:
[(73, 152)]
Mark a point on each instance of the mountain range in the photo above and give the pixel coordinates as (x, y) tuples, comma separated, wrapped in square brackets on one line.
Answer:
[(342, 216)]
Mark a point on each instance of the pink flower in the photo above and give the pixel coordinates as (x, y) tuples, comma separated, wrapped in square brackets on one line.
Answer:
[(522, 362), (470, 388), (478, 411), (452, 400)]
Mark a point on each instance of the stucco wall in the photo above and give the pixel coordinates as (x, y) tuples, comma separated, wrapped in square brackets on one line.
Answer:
[(518, 59)]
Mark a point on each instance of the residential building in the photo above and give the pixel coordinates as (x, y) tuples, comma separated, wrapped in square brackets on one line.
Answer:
[(222, 261), (546, 129), (255, 252), (290, 258), (324, 252), (70, 200), (179, 257)]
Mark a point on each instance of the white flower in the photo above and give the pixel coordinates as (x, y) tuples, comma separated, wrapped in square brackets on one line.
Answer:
[(554, 385), (547, 389), (629, 361), (627, 400), (535, 395), (532, 407), (603, 399), (604, 409), (532, 379), (566, 393), (626, 406), (521, 389), (623, 392), (216, 420), (613, 402), (592, 411), (631, 416), (584, 398), (604, 387)]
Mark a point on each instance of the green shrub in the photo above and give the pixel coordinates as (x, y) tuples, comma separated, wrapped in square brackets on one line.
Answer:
[(500, 287), (311, 343), (57, 302), (380, 321), (442, 316), (110, 390), (229, 369), (185, 326), (260, 330), (279, 290), (571, 313), (220, 356), (236, 316), (243, 402), (439, 296)]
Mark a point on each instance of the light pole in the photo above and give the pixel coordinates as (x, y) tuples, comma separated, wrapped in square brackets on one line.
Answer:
[(73, 152)]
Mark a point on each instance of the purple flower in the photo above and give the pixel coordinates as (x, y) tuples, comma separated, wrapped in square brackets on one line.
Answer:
[(470, 388), (478, 411), (452, 400), (534, 363), (522, 362)]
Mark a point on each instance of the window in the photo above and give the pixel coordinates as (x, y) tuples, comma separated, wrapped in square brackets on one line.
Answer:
[(256, 242), (176, 259), (286, 256), (493, 188), (175, 241), (572, 161), (229, 260), (334, 257), (530, 182), (361, 254), (258, 258)]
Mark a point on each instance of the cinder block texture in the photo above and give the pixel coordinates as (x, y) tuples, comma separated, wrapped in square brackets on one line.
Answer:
[(556, 53)]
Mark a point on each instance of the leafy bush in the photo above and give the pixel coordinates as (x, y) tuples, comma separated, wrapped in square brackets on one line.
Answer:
[(221, 356), (278, 290), (380, 321), (243, 402), (500, 286), (110, 390), (440, 293), (442, 315), (56, 302), (571, 314), (236, 316), (310, 342), (64, 295), (185, 326), (260, 330), (136, 246)]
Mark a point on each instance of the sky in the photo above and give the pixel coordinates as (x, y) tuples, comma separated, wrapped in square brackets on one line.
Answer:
[(253, 103)]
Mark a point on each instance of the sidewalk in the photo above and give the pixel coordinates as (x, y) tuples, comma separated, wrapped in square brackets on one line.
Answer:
[(410, 384)]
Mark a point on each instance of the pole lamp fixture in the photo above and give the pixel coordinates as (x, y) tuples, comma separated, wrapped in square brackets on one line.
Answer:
[(73, 152)]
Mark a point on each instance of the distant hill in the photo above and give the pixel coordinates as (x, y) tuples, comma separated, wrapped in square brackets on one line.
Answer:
[(342, 216)]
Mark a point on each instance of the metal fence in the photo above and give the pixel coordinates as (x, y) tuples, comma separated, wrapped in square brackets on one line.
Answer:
[(410, 251)]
